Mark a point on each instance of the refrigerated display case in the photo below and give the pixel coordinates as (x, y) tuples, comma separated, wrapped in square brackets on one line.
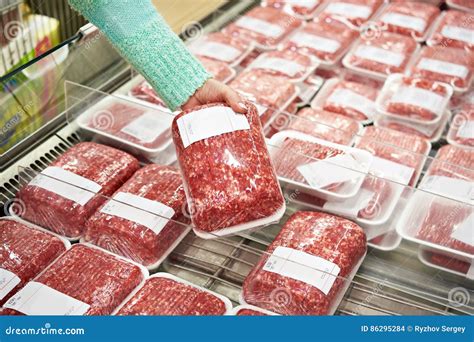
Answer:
[(84, 72)]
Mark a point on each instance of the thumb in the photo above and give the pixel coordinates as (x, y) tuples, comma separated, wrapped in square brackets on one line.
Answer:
[(234, 100)]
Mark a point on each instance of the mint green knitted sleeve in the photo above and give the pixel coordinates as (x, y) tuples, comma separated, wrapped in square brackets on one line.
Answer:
[(144, 39)]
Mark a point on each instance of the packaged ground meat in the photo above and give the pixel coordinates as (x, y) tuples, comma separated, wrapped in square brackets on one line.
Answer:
[(272, 92), (462, 5), (325, 38), (454, 29), (83, 281), (285, 63), (446, 262), (318, 167), (127, 125), (250, 58), (414, 99), (351, 99), (308, 267), (25, 250), (299, 8), (142, 220), (64, 195), (266, 26), (221, 71), (461, 130), (412, 19), (325, 125), (356, 12), (144, 91), (228, 176), (221, 47), (448, 65), (399, 153), (382, 55), (165, 294), (250, 310)]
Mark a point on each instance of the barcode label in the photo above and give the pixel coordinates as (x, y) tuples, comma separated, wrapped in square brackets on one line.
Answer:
[(351, 99), (379, 55), (148, 126), (458, 33), (8, 281), (284, 66), (444, 68), (349, 10), (403, 20), (315, 42), (420, 98), (260, 26)]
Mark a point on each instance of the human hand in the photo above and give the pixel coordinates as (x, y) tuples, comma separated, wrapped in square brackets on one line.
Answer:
[(215, 91)]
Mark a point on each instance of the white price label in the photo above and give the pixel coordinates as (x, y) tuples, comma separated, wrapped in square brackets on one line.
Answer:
[(464, 231), (38, 299), (66, 184), (284, 66), (315, 42), (390, 170), (350, 207), (219, 51), (210, 122), (420, 98), (403, 20), (459, 189), (379, 55), (8, 281), (351, 99), (260, 26), (458, 33), (303, 3), (148, 126), (349, 10), (302, 266), (466, 131), (151, 214), (442, 67)]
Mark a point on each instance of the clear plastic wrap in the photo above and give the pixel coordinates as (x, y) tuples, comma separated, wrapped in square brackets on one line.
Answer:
[(228, 176), (64, 195), (398, 147), (325, 125), (143, 91), (266, 26), (454, 29), (141, 221), (83, 281), (461, 131), (446, 262), (357, 12), (165, 294), (462, 5), (221, 47), (273, 92), (414, 99), (411, 19), (382, 55), (318, 167), (25, 250), (308, 266), (300, 8), (221, 71), (448, 65), (325, 38), (285, 63), (351, 99), (250, 310)]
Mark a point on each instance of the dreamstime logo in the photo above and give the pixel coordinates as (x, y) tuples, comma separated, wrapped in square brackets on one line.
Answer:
[(281, 122), (459, 120), (458, 296), (192, 31), (13, 29), (14, 207), (280, 297), (190, 209), (103, 120), (371, 30)]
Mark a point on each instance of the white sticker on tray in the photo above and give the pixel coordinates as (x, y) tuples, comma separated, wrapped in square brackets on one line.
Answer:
[(403, 20), (215, 50), (152, 214), (442, 67), (39, 299), (330, 171), (390, 170), (148, 126), (349, 10), (379, 55), (303, 3), (458, 33), (464, 231), (316, 42), (260, 26), (66, 184), (210, 122), (420, 98), (459, 189), (351, 206), (351, 99), (466, 131), (8, 281), (298, 265), (284, 66)]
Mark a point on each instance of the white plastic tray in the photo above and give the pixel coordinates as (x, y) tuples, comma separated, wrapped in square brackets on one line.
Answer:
[(236, 310), (351, 188), (458, 7), (424, 258), (392, 86), (225, 300), (451, 136)]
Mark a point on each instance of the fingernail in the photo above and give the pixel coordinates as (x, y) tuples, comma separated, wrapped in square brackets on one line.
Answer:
[(242, 105)]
